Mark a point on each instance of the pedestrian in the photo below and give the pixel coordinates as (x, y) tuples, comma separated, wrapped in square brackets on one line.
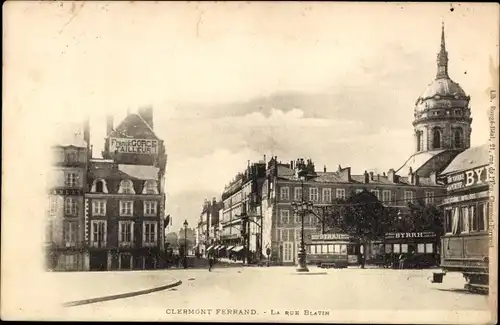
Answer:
[(210, 263), (401, 261)]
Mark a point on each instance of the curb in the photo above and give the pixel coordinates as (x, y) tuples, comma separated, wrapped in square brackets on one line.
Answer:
[(120, 296)]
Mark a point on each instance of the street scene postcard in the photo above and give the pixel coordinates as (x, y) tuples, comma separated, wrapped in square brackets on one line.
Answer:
[(280, 162)]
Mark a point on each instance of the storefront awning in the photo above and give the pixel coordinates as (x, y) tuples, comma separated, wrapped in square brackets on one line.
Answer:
[(210, 248), (230, 248), (221, 247), (237, 249)]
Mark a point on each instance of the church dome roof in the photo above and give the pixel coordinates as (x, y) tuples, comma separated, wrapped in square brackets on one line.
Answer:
[(443, 87)]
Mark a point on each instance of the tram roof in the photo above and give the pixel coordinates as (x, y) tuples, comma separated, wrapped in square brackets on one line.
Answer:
[(470, 158)]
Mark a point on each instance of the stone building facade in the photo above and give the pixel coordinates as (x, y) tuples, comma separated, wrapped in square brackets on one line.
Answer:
[(125, 199), (65, 235)]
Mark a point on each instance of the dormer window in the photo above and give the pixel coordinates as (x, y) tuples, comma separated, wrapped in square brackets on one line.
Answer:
[(150, 187), (99, 186), (126, 187)]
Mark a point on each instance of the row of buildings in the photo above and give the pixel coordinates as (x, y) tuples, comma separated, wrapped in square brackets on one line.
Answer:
[(254, 217), (108, 213)]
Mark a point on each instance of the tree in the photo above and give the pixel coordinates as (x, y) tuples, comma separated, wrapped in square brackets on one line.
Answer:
[(330, 217), (425, 217), (364, 218)]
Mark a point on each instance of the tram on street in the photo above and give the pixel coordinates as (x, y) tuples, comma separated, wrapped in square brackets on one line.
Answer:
[(465, 244), (419, 249), (328, 250)]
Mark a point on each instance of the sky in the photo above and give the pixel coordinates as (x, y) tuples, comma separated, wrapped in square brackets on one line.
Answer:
[(232, 82)]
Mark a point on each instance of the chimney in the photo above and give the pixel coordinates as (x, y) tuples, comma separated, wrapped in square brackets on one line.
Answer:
[(109, 124), (291, 164), (416, 179), (367, 177), (378, 178), (86, 131), (147, 114), (371, 176), (433, 178), (383, 174), (324, 168), (391, 175)]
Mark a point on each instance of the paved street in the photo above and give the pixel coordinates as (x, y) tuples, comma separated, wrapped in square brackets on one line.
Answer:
[(280, 289)]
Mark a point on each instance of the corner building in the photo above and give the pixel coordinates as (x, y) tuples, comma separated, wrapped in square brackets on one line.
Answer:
[(66, 249), (125, 201)]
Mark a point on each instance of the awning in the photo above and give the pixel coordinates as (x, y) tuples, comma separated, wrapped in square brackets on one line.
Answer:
[(230, 248), (210, 248), (221, 247), (237, 248)]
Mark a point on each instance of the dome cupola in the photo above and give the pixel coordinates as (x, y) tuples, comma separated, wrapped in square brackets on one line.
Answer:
[(442, 113)]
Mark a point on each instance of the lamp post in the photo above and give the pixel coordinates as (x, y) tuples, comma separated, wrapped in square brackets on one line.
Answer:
[(302, 207), (185, 243)]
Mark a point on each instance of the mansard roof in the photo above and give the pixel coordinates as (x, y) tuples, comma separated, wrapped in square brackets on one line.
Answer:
[(134, 126)]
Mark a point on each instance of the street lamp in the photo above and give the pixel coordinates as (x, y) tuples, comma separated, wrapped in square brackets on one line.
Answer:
[(302, 207), (185, 243)]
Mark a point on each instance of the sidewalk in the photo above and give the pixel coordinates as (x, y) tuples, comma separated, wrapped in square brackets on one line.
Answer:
[(75, 288)]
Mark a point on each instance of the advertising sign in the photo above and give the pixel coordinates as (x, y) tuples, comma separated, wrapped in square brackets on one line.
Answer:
[(403, 235), (330, 237), (133, 146), (467, 179)]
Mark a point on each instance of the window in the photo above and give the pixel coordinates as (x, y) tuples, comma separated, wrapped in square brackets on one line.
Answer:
[(420, 141), (150, 187), (396, 249), (313, 194), (149, 233), (98, 230), (324, 249), (404, 248), (457, 138), (70, 233), (436, 138), (429, 197), (336, 249), (297, 193), (70, 262), (99, 186), (285, 214), (448, 221), (408, 195), (386, 196), (455, 221), (388, 248), (429, 249), (126, 187), (283, 234), (481, 217), (126, 232), (359, 190), (421, 248), (297, 235), (340, 193), (376, 193), (72, 156), (343, 249), (98, 207), (473, 218), (327, 195), (53, 205), (71, 179), (70, 206), (298, 217), (465, 218), (126, 208), (313, 249), (284, 193), (150, 208)]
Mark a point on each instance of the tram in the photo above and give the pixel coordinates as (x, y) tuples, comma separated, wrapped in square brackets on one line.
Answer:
[(329, 250), (465, 244)]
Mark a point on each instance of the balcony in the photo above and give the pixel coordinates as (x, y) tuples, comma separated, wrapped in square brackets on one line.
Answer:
[(102, 244), (126, 245)]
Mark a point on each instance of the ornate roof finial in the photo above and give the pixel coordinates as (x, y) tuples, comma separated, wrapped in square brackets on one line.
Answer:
[(442, 57)]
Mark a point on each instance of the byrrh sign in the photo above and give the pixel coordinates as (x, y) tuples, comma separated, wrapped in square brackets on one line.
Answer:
[(466, 179), (404, 235), (134, 146)]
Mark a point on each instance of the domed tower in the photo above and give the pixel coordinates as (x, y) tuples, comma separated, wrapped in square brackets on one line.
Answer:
[(442, 122), (442, 113)]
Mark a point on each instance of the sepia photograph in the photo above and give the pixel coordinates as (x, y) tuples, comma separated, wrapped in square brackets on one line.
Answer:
[(281, 162)]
